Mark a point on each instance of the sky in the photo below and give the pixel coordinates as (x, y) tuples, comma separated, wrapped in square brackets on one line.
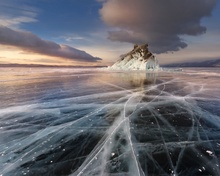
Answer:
[(97, 32)]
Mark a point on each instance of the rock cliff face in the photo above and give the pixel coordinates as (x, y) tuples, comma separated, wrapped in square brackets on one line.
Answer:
[(140, 58)]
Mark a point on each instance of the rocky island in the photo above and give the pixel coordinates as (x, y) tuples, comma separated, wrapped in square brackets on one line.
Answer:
[(140, 58)]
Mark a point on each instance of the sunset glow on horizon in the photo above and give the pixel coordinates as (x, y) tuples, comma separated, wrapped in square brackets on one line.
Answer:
[(61, 35)]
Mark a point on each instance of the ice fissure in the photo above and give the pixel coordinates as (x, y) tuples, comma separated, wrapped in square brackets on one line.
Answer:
[(114, 124)]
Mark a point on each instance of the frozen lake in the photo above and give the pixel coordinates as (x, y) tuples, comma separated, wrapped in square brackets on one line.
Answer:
[(88, 122)]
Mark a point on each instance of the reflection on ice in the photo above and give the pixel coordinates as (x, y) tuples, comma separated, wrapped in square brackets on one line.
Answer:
[(112, 123)]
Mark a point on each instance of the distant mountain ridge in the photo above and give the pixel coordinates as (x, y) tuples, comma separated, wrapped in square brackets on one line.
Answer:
[(207, 63)]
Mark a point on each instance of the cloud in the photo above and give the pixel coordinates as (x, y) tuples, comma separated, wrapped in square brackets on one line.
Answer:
[(14, 13), (34, 44), (15, 21), (159, 23)]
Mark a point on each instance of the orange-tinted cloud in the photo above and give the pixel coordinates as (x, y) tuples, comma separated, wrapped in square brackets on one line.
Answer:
[(29, 42)]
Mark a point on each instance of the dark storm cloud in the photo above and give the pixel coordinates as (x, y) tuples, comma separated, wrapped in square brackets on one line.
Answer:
[(32, 43), (157, 22)]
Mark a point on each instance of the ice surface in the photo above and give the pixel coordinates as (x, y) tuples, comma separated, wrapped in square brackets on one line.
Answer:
[(90, 122)]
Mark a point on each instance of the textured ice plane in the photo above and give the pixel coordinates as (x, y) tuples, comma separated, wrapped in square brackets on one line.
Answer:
[(83, 123)]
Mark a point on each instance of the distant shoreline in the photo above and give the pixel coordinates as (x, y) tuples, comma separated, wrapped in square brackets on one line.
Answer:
[(48, 66), (207, 63)]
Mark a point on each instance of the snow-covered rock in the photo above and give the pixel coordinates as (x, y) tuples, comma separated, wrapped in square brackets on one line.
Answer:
[(140, 58)]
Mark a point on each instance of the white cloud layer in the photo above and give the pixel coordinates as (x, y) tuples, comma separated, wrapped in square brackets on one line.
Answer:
[(13, 13), (161, 23), (15, 21), (34, 44)]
